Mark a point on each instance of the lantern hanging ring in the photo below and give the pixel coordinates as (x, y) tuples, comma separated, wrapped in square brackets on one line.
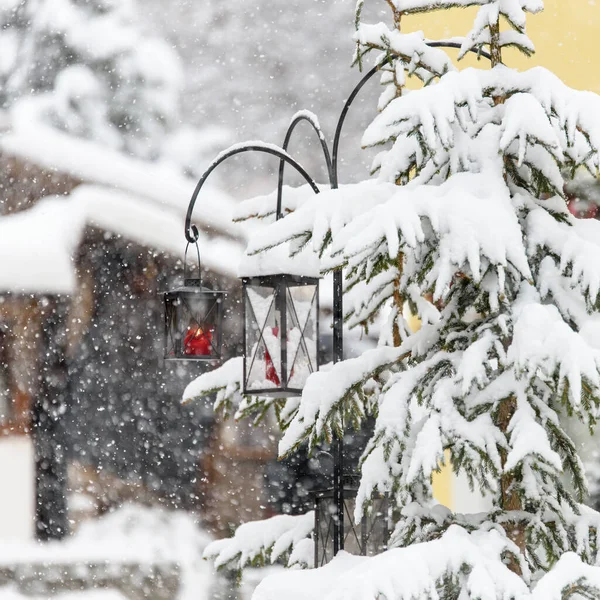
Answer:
[(186, 275)]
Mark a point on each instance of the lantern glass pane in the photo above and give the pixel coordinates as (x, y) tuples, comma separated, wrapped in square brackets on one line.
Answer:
[(353, 535), (302, 333), (369, 537), (377, 527), (325, 518), (193, 321), (263, 344)]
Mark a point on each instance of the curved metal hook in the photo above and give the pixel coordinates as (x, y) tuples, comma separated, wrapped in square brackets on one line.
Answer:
[(361, 83), (298, 119), (191, 231)]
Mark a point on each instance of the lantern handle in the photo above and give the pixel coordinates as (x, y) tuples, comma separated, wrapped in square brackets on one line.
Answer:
[(191, 231), (192, 280), (313, 121)]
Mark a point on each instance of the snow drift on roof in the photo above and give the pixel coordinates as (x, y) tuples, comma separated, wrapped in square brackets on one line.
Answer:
[(37, 246)]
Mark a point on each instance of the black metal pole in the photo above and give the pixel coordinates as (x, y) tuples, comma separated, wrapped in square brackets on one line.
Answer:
[(338, 443), (48, 431)]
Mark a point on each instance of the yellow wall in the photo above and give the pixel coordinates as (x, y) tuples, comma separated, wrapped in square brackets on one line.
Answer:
[(566, 36), (443, 484)]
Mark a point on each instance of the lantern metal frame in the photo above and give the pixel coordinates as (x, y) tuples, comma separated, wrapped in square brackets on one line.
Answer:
[(280, 284), (191, 233), (367, 538), (190, 293)]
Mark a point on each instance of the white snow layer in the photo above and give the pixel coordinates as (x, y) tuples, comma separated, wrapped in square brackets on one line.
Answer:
[(149, 224), (271, 537), (226, 381), (37, 247), (131, 535), (473, 559), (279, 260), (406, 573), (93, 163)]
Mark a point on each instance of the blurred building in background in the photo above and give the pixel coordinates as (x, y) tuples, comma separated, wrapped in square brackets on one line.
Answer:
[(105, 130)]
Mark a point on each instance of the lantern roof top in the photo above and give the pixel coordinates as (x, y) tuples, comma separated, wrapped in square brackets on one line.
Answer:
[(277, 261)]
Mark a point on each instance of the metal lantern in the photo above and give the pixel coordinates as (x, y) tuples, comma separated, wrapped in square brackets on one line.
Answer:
[(368, 538), (193, 321), (281, 332)]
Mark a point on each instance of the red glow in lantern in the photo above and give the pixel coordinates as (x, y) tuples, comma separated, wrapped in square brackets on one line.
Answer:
[(197, 342)]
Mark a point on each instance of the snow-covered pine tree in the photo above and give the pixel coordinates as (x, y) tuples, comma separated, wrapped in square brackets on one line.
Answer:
[(479, 242), (91, 70)]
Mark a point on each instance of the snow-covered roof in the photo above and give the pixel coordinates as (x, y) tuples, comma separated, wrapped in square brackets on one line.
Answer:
[(151, 225), (142, 201), (37, 246), (90, 162)]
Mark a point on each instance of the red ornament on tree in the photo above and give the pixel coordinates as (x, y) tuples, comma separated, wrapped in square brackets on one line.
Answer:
[(582, 209), (197, 342)]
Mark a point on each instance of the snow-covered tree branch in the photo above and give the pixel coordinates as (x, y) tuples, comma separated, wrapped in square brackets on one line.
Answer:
[(264, 542)]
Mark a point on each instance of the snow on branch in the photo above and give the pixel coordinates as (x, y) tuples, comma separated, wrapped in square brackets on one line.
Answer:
[(458, 560), (330, 394), (224, 381), (261, 542), (320, 216), (570, 578), (420, 415), (468, 222), (364, 298), (563, 121), (575, 243), (265, 206), (411, 48), (544, 345), (514, 13)]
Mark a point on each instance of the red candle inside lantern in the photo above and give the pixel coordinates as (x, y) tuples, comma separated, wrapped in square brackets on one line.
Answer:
[(197, 342), (271, 373)]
